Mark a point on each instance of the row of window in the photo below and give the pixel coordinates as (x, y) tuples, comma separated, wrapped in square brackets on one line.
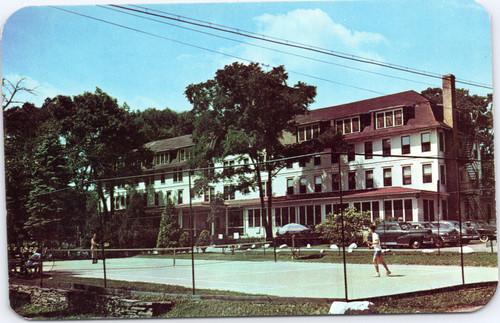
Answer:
[(317, 186), (311, 215), (167, 157), (387, 150), (123, 201)]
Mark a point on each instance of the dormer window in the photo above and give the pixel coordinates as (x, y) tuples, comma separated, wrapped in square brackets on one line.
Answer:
[(392, 118), (308, 132), (349, 125)]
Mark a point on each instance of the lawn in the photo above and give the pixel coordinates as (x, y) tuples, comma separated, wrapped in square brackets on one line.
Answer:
[(402, 257)]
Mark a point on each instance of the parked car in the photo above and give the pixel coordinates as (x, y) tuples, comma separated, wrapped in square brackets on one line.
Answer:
[(446, 233), (486, 231), (402, 234), (468, 234)]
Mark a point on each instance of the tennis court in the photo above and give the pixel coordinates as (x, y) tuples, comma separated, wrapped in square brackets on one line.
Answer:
[(286, 279)]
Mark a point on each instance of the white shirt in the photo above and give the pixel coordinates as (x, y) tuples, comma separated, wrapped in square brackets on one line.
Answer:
[(377, 246)]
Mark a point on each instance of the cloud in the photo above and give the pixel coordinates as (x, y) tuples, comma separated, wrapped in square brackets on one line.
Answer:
[(312, 27)]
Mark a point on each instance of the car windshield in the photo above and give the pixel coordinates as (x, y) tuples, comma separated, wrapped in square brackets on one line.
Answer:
[(442, 225)]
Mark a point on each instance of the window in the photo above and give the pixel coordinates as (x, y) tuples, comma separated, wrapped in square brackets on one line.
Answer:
[(351, 153), (426, 141), (427, 173), (177, 175), (254, 218), (398, 209), (388, 209), (289, 186), (386, 147), (289, 164), (428, 210), (352, 180), (162, 178), (405, 145), (444, 207), (334, 157), (302, 185), (441, 141), (387, 177), (302, 215), (389, 118), (182, 154), (169, 196), (375, 210), (346, 126), (442, 171), (317, 160), (335, 182), (368, 150), (229, 192), (180, 197), (209, 194), (308, 132), (369, 178), (318, 183), (406, 175), (408, 210), (157, 199)]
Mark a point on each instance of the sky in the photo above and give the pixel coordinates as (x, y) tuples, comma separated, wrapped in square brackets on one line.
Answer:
[(149, 63)]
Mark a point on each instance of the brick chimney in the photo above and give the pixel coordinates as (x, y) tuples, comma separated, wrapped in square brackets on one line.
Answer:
[(449, 101)]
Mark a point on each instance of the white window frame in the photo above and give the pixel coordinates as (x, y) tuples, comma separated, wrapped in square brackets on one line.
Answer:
[(384, 114), (351, 121)]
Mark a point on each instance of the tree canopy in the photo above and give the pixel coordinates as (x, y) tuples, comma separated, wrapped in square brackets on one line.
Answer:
[(246, 112)]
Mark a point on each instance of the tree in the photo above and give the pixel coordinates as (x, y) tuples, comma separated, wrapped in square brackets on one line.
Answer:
[(476, 121), (245, 112), (170, 232), (10, 90), (104, 141), (155, 124), (354, 224)]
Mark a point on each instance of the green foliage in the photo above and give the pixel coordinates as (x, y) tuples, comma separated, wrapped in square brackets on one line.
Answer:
[(184, 240), (203, 239), (156, 124), (355, 223), (170, 233), (246, 111)]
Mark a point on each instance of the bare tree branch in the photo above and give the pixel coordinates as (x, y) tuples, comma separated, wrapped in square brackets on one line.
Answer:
[(9, 91)]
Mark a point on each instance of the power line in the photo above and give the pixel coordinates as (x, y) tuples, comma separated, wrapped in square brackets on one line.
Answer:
[(207, 49), (293, 44), (268, 48)]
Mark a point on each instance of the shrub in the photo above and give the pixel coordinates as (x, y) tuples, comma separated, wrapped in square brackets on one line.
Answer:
[(355, 222), (203, 240)]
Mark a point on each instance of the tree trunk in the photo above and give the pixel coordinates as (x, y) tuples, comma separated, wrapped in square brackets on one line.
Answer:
[(269, 189), (265, 223)]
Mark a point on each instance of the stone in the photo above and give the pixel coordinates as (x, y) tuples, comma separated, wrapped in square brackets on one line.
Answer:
[(358, 307)]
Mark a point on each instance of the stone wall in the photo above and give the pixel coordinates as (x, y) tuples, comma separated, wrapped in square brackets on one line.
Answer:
[(85, 301)]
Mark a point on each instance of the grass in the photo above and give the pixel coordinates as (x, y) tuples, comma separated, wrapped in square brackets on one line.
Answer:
[(484, 259), (438, 302)]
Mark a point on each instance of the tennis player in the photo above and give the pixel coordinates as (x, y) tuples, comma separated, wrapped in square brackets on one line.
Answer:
[(377, 257)]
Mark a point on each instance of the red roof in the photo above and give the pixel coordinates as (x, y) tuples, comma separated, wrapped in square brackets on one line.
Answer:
[(364, 106)]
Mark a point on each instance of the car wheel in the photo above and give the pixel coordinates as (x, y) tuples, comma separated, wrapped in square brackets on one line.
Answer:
[(483, 238), (415, 243), (439, 243)]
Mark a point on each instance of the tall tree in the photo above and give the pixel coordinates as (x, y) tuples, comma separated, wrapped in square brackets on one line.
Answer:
[(245, 111), (170, 232), (104, 142)]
